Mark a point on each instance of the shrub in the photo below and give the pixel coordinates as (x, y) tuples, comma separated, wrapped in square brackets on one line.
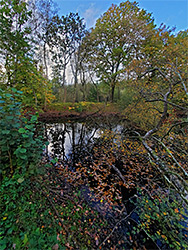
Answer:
[(21, 145), (24, 212)]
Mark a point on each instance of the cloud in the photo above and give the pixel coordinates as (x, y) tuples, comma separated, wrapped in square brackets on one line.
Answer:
[(91, 15)]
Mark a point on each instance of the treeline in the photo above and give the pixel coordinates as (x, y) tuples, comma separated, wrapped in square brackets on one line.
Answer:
[(53, 58)]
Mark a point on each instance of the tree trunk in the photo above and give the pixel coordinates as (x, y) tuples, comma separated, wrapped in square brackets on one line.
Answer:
[(112, 93), (65, 94), (118, 93)]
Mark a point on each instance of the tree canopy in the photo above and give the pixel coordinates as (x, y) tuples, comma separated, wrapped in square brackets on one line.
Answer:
[(116, 40)]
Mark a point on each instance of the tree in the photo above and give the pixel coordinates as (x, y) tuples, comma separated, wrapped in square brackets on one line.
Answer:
[(42, 14), (64, 35), (161, 76), (77, 58), (17, 51), (116, 40), (15, 47), (161, 111)]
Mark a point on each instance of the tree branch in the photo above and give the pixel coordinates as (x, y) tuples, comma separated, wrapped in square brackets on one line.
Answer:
[(164, 170), (177, 124), (170, 103), (174, 159), (115, 227)]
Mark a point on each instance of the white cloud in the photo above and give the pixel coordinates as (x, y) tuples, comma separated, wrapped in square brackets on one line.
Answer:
[(91, 14)]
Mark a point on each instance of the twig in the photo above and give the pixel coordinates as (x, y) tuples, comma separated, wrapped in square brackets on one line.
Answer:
[(170, 103), (182, 82), (160, 165), (174, 159), (115, 227), (174, 125), (163, 116)]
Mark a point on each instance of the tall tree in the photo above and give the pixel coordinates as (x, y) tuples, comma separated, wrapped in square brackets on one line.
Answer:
[(65, 35), (17, 49), (76, 57), (43, 12), (15, 45), (116, 40)]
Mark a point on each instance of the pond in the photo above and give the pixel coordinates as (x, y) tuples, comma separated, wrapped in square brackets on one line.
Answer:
[(72, 142)]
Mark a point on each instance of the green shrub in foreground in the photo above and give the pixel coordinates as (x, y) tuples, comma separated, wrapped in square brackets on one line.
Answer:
[(21, 146), (24, 212)]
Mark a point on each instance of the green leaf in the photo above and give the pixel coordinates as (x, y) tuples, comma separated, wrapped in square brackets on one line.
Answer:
[(20, 180), (20, 92), (22, 130), (6, 132), (3, 247), (23, 150), (53, 161), (34, 118), (25, 136), (25, 239), (27, 145), (23, 157), (14, 90), (29, 126), (8, 95)]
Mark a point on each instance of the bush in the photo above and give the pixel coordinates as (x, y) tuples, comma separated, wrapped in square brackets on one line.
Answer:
[(21, 145), (24, 212)]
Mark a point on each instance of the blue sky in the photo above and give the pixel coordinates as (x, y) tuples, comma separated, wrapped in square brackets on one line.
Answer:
[(173, 13)]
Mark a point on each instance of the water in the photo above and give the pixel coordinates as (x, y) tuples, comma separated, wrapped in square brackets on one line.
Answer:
[(71, 141), (70, 137)]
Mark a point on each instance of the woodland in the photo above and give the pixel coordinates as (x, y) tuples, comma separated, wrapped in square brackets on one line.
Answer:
[(124, 190)]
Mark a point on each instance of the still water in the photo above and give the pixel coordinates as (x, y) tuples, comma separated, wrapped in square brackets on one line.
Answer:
[(71, 140), (73, 137)]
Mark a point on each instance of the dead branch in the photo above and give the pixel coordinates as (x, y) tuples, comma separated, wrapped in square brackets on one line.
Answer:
[(174, 159), (174, 125), (116, 226), (170, 103), (119, 174), (164, 170)]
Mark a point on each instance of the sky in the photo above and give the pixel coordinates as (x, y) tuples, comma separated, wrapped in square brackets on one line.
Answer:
[(173, 13)]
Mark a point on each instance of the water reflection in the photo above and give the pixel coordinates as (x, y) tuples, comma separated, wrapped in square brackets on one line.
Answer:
[(72, 138), (66, 137)]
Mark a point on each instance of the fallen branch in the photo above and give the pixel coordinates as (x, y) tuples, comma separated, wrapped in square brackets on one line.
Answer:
[(174, 159), (174, 125), (115, 227), (119, 174), (164, 170)]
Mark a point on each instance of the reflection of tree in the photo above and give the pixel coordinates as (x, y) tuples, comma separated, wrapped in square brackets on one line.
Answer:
[(74, 139), (56, 135), (82, 135)]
